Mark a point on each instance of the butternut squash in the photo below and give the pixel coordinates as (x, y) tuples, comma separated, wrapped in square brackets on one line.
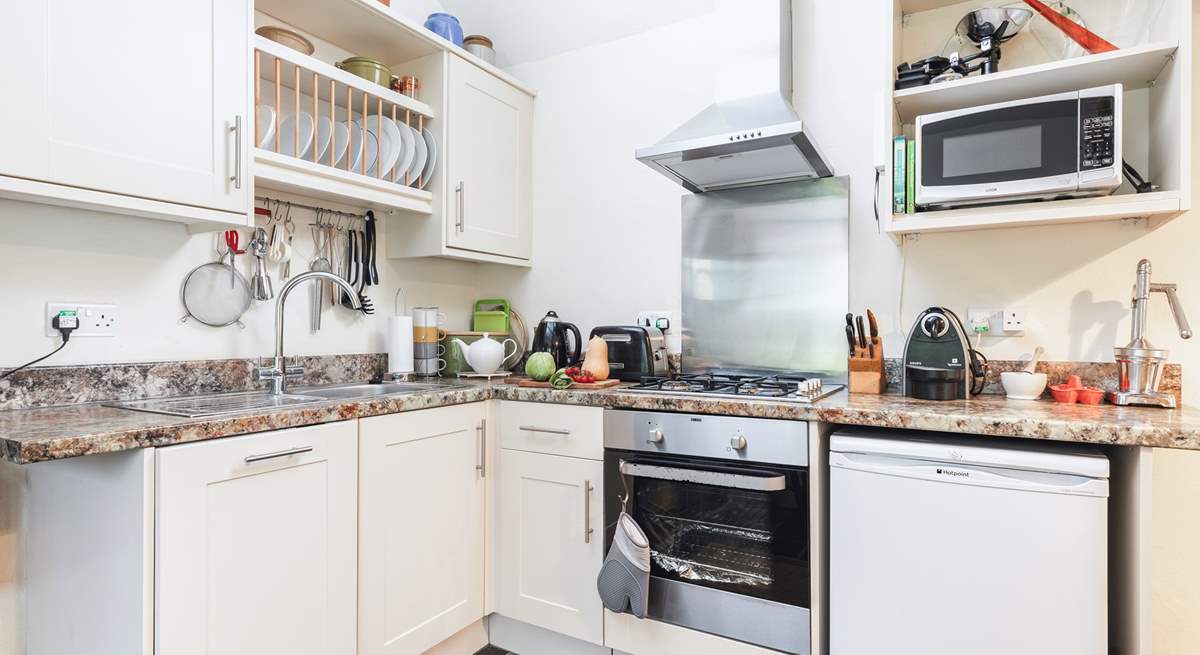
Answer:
[(596, 359)]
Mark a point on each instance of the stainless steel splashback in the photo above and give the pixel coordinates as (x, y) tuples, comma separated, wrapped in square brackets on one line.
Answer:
[(766, 279)]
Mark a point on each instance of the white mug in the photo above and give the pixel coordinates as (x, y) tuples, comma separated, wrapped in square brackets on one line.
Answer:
[(427, 317), (430, 367)]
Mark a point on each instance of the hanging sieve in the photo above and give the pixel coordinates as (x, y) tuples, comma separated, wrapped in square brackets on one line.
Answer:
[(209, 296)]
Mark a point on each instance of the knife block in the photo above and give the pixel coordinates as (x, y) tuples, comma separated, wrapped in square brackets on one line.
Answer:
[(866, 372)]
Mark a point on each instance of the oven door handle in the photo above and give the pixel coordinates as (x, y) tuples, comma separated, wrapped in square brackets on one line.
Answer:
[(703, 476)]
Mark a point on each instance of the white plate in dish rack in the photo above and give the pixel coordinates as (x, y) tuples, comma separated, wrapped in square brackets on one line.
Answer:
[(287, 135), (392, 144), (418, 164), (266, 126), (364, 145), (431, 159)]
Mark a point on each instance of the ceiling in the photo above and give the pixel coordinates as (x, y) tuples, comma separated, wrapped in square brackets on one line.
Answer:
[(530, 30)]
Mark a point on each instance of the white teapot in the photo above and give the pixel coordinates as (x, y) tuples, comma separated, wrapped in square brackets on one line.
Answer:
[(486, 354)]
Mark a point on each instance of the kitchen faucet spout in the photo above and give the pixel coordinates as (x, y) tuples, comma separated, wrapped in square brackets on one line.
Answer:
[(278, 373)]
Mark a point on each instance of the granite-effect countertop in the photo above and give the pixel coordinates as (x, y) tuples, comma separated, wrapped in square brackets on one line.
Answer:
[(36, 435)]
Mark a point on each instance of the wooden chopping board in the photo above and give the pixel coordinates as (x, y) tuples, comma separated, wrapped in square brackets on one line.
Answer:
[(603, 384)]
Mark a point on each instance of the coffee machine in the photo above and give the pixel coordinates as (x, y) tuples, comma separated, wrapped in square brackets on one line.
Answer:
[(939, 363)]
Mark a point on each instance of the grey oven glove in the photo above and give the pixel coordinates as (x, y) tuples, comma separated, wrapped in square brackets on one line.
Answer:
[(624, 581)]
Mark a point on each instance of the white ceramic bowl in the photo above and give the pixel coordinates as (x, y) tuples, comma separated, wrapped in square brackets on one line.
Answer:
[(1023, 386)]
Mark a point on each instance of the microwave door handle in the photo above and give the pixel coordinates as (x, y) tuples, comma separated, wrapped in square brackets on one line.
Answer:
[(702, 476)]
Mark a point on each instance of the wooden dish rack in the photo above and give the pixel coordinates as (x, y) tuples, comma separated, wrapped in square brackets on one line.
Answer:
[(302, 83)]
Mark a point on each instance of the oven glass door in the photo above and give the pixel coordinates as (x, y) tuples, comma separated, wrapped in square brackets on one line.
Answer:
[(1010, 144), (730, 526)]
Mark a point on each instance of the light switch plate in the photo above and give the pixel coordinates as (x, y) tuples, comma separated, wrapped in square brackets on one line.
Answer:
[(95, 320)]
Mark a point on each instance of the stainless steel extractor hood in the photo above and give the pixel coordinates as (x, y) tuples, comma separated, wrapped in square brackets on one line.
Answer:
[(746, 141)]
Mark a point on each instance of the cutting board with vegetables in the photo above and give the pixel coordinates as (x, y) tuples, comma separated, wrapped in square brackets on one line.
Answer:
[(603, 384)]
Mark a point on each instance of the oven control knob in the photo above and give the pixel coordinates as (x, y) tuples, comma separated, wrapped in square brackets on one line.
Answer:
[(738, 442), (656, 436)]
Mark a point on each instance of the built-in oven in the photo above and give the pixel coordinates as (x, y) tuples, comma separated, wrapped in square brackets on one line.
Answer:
[(1056, 146), (724, 502)]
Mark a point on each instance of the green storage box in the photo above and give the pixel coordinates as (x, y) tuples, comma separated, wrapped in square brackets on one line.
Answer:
[(491, 315)]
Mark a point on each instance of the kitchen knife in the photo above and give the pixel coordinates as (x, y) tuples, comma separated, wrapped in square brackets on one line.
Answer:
[(862, 334), (873, 323), (850, 339)]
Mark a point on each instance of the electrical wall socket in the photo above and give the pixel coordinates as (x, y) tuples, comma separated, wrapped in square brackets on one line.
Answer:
[(979, 321), (94, 320), (658, 319), (1014, 320)]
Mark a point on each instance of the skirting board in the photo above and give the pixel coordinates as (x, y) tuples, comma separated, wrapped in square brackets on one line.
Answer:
[(519, 637), (467, 641)]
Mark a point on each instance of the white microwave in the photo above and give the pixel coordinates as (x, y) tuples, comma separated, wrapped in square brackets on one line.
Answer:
[(1065, 145)]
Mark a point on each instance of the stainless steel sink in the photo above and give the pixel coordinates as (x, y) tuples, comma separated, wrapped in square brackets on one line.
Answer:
[(216, 404), (352, 391), (219, 404)]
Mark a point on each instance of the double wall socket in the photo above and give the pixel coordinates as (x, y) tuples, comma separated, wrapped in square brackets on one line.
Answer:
[(94, 320), (1008, 322), (658, 319)]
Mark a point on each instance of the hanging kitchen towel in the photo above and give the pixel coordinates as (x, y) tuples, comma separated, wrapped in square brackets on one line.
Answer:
[(624, 581)]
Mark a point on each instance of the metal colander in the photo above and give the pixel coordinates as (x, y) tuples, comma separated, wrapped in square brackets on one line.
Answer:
[(215, 294)]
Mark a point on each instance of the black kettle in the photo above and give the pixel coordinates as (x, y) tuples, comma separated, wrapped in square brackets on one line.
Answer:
[(551, 337)]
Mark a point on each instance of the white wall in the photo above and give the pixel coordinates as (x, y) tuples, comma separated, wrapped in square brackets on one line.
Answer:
[(607, 228), (50, 254)]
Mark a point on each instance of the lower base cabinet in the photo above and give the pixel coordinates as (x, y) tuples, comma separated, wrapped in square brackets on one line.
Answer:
[(255, 544), (422, 491), (550, 542)]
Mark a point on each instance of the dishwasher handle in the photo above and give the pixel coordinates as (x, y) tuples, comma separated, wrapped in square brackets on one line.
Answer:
[(970, 474)]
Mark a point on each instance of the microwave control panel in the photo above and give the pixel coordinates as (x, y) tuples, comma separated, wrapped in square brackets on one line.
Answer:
[(1096, 141)]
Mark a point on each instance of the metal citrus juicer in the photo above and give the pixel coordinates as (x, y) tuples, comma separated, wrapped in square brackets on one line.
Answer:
[(1141, 364)]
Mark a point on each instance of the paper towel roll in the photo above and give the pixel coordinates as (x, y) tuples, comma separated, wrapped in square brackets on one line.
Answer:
[(400, 344)]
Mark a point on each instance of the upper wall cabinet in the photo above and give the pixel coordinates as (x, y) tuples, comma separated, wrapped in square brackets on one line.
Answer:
[(128, 107), (488, 163), (482, 196)]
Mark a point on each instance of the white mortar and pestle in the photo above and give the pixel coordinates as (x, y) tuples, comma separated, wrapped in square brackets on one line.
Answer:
[(1025, 384)]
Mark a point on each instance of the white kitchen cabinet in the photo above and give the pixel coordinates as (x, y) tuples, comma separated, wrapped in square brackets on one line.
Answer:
[(488, 163), (550, 542), (128, 104), (255, 549), (422, 491), (482, 187)]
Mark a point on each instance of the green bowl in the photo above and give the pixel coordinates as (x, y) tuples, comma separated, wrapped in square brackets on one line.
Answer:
[(368, 69)]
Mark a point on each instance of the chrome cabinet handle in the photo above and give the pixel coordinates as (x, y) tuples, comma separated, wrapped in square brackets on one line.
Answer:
[(236, 178), (534, 428), (481, 431), (587, 511), (250, 459), (461, 220)]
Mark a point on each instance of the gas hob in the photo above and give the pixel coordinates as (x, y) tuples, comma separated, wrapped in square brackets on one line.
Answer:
[(730, 385)]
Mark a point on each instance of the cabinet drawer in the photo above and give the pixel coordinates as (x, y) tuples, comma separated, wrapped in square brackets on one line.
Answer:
[(552, 429)]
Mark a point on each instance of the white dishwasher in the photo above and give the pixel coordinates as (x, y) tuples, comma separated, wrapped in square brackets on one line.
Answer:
[(942, 546)]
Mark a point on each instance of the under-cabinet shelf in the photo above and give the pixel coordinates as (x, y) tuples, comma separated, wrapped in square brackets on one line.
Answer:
[(1160, 204), (1134, 67), (288, 174), (369, 29)]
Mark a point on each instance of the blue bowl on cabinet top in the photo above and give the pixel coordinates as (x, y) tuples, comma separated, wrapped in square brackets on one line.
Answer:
[(445, 26)]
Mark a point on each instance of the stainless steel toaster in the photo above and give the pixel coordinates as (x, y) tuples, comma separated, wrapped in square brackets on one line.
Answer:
[(634, 352)]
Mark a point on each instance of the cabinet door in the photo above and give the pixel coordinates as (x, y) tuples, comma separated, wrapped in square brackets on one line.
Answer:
[(546, 565), (135, 97), (255, 548), (421, 528), (489, 128)]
